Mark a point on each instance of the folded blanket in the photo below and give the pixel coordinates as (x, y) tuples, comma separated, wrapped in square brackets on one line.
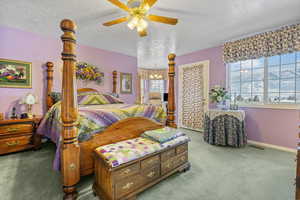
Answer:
[(162, 135)]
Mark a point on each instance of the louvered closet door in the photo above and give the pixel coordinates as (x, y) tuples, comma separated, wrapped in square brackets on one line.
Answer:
[(193, 95)]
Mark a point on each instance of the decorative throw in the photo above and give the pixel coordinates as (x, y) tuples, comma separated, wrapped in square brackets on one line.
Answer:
[(122, 152), (162, 135)]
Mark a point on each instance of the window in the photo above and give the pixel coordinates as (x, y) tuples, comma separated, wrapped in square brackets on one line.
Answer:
[(157, 86), (270, 80)]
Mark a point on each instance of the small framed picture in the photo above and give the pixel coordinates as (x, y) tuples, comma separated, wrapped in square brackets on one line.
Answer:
[(126, 83), (15, 74)]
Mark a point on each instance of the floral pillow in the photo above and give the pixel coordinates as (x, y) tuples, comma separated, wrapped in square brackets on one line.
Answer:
[(95, 98)]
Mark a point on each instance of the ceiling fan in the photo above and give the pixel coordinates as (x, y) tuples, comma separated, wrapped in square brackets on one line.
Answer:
[(138, 15)]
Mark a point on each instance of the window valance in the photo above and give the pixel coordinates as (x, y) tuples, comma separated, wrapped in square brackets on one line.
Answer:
[(283, 40), (153, 74)]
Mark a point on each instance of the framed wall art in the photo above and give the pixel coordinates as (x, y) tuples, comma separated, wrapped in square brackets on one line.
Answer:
[(15, 74), (126, 83)]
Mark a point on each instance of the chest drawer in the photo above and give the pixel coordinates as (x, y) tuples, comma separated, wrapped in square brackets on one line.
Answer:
[(168, 155), (151, 174), (182, 148), (167, 166), (15, 129), (126, 171), (128, 185), (9, 145), (180, 159), (149, 162)]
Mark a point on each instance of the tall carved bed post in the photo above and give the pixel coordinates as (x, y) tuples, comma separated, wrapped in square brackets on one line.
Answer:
[(171, 92), (49, 100), (115, 76), (70, 148)]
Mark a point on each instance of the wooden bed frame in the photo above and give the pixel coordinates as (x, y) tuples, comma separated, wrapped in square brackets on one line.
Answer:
[(77, 158)]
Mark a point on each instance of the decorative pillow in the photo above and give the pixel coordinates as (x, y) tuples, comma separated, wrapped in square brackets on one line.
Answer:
[(94, 98), (112, 99)]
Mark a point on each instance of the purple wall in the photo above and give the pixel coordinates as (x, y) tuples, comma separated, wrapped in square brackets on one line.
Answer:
[(25, 46), (271, 126)]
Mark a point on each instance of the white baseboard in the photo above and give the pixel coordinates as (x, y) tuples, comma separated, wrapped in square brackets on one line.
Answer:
[(260, 144)]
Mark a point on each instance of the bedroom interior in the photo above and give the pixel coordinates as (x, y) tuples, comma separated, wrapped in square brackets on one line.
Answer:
[(198, 100)]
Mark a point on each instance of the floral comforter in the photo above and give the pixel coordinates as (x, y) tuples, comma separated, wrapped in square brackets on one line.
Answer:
[(95, 118)]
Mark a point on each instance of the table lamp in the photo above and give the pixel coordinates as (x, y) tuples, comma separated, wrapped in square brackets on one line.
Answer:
[(29, 100)]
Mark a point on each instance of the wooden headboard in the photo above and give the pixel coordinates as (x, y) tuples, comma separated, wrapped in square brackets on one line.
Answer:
[(50, 70), (86, 90)]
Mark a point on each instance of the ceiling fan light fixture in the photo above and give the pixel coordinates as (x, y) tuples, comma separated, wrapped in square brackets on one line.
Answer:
[(142, 24), (140, 29), (133, 23)]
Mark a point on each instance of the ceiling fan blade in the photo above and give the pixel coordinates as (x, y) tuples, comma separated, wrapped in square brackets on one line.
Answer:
[(149, 2), (116, 21), (119, 4), (161, 19), (143, 33)]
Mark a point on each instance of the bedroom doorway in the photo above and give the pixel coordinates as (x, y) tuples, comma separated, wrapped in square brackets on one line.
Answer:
[(193, 95)]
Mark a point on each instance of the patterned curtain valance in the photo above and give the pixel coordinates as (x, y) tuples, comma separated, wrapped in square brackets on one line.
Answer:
[(153, 74), (283, 40)]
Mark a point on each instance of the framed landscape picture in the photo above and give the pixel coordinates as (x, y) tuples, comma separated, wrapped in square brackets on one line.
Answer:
[(15, 74), (126, 83)]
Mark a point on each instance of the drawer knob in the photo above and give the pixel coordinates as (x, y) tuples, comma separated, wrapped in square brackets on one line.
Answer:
[(151, 174), (13, 143), (12, 129), (127, 186)]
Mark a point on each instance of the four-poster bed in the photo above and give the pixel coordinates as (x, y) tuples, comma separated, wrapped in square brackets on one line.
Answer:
[(76, 157)]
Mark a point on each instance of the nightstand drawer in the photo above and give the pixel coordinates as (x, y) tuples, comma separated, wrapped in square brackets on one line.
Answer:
[(16, 129), (15, 144)]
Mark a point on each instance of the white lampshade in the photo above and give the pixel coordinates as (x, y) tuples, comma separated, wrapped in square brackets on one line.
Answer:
[(29, 99)]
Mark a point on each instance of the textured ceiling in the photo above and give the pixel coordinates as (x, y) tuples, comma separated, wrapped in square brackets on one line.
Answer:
[(202, 23)]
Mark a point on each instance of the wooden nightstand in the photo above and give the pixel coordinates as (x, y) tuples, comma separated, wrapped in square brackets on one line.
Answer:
[(18, 135)]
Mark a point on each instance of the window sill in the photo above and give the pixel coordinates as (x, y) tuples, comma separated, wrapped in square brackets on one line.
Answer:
[(272, 106)]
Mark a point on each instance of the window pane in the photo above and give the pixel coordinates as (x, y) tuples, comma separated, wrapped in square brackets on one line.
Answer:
[(298, 56), (257, 98), (298, 97), (287, 85), (235, 76), (258, 87), (273, 72), (288, 58), (246, 64), (273, 86), (287, 97), (274, 60), (298, 85), (288, 71), (235, 87), (246, 97), (273, 97), (235, 66), (157, 86), (258, 63), (246, 75), (258, 74), (298, 70), (246, 87)]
